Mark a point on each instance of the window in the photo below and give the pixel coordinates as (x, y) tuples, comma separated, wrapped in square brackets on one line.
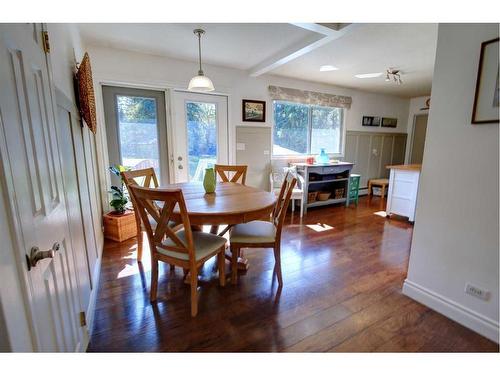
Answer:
[(301, 129), (201, 137), (138, 132)]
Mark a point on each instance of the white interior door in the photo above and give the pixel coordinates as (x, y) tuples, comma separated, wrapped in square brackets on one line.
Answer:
[(30, 155), (200, 134)]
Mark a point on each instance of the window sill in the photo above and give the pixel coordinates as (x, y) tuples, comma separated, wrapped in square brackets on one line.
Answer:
[(304, 157)]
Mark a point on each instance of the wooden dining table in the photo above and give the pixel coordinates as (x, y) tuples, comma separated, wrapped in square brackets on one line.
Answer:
[(230, 204)]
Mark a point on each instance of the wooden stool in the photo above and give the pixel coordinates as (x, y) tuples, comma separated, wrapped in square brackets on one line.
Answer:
[(381, 182)]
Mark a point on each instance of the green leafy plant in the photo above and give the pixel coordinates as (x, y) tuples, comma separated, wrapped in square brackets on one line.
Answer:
[(119, 200)]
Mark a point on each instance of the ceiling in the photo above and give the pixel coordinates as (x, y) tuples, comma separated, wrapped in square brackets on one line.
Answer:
[(372, 48), (356, 49), (238, 46)]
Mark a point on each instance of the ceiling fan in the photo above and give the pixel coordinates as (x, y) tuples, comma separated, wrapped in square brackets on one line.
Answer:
[(395, 74), (391, 74)]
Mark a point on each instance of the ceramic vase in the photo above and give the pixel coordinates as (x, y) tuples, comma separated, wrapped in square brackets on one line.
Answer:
[(209, 180)]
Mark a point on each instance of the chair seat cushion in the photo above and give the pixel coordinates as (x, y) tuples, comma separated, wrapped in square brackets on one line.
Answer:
[(253, 232), (204, 245)]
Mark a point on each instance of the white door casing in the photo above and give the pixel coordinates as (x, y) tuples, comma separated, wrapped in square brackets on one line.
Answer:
[(31, 158), (179, 154)]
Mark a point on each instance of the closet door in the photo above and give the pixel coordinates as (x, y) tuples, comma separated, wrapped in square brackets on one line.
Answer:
[(38, 209)]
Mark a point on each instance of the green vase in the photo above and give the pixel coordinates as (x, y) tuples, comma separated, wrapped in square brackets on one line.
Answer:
[(209, 180)]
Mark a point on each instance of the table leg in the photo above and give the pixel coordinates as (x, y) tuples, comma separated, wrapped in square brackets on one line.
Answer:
[(242, 262)]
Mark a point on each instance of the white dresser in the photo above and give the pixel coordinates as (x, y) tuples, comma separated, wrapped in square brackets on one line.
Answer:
[(403, 190)]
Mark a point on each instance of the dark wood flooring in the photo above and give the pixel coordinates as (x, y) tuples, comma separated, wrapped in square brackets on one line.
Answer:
[(343, 271)]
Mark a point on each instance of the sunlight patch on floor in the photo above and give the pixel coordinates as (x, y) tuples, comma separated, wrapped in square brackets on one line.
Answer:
[(127, 271), (380, 213), (319, 227)]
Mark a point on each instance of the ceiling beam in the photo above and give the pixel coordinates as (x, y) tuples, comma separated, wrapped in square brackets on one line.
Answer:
[(325, 33)]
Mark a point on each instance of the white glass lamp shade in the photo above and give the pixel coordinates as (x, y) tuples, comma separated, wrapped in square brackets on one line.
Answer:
[(201, 83)]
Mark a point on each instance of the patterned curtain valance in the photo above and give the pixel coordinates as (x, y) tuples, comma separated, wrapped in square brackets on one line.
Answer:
[(309, 97)]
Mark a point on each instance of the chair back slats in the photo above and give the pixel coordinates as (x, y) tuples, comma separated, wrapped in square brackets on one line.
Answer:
[(146, 176), (169, 199), (279, 211), (240, 172)]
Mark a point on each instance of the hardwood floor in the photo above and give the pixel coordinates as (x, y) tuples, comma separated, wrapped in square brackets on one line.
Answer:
[(343, 269)]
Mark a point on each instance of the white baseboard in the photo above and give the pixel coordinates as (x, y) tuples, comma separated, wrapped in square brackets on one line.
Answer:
[(96, 275), (93, 295), (461, 314)]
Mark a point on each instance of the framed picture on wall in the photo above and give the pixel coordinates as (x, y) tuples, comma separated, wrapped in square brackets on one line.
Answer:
[(253, 110), (389, 122), (371, 121), (486, 98)]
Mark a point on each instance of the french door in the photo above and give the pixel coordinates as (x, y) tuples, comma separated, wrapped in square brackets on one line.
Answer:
[(200, 134), (136, 129)]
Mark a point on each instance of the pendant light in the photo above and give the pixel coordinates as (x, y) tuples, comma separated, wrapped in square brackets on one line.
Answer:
[(200, 82)]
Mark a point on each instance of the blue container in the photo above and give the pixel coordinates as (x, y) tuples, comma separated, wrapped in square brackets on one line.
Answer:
[(323, 157)]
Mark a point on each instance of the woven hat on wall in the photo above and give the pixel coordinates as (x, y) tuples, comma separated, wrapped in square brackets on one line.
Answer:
[(86, 96)]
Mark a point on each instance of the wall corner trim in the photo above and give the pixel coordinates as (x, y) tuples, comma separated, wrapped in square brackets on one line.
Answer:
[(459, 313)]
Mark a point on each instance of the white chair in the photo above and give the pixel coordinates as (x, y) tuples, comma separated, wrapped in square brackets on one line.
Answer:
[(276, 180)]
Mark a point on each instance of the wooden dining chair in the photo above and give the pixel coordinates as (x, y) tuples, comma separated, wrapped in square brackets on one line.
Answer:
[(183, 248), (240, 172), (263, 234), (146, 178)]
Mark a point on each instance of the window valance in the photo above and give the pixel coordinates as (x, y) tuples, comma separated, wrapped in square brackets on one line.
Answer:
[(309, 97)]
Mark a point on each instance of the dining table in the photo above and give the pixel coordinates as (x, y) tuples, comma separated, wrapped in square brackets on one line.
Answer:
[(231, 203)]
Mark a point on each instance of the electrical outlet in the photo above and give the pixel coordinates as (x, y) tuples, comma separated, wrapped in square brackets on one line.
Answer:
[(477, 292)]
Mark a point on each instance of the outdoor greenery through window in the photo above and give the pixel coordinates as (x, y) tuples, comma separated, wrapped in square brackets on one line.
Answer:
[(201, 137), (301, 129), (138, 132)]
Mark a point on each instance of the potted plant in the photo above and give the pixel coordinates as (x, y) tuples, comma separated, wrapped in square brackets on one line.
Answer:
[(119, 200)]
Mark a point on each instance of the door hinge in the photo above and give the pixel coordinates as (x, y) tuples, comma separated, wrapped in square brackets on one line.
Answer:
[(83, 320), (45, 41)]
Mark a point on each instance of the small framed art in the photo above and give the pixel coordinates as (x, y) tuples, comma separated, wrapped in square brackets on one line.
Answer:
[(253, 110)]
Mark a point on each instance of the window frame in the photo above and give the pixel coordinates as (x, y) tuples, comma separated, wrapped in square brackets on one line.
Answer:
[(341, 152)]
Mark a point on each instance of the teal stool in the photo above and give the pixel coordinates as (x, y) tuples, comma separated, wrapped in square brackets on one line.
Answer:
[(354, 188)]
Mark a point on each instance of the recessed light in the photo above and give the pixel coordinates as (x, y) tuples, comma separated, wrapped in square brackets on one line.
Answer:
[(327, 68), (368, 75)]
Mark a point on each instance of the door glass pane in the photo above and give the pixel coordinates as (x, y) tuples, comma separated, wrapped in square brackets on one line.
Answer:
[(138, 132), (290, 128), (201, 137), (325, 131)]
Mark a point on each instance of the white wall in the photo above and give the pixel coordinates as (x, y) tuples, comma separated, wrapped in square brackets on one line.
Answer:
[(119, 66), (66, 47), (414, 109), (455, 238)]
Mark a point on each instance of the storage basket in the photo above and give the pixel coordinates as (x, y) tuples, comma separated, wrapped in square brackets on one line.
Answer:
[(339, 193), (311, 196), (324, 195)]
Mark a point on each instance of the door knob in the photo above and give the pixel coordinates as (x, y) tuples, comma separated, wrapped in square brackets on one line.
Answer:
[(180, 166), (179, 158), (37, 255)]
